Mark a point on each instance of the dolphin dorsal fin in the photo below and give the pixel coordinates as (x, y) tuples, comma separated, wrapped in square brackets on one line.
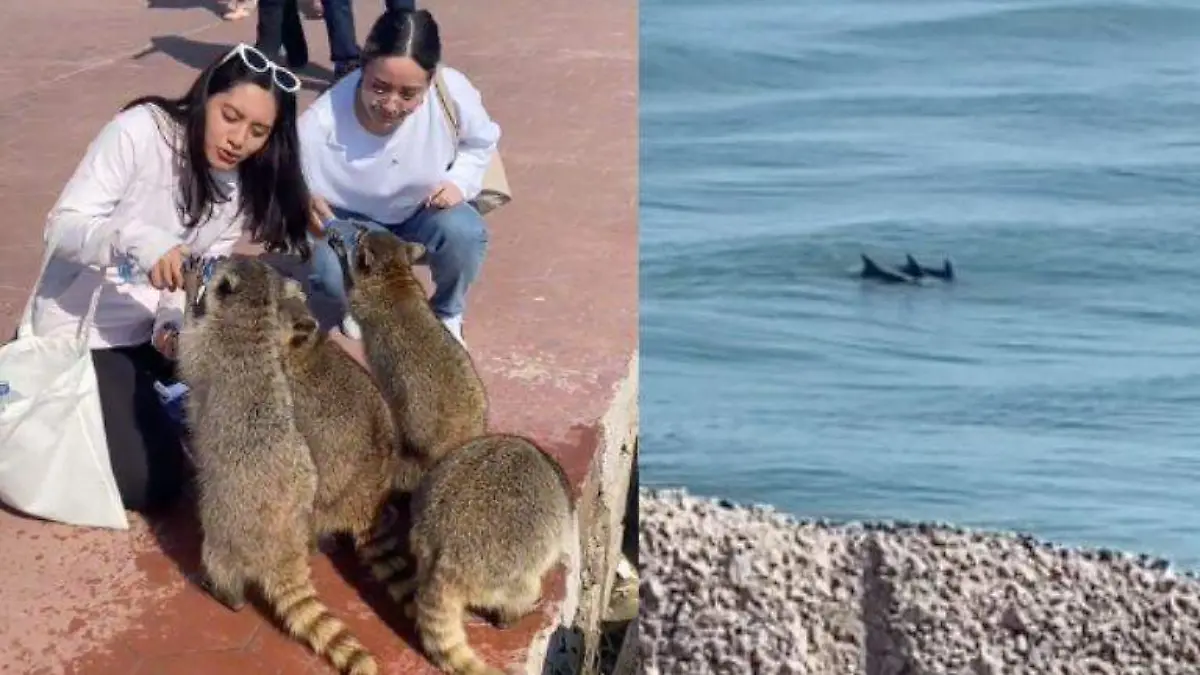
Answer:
[(911, 267)]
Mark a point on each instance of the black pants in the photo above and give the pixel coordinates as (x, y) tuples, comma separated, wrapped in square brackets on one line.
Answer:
[(144, 444), (339, 22), (279, 25)]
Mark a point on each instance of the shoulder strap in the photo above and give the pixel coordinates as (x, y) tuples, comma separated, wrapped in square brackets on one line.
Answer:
[(25, 327), (448, 107)]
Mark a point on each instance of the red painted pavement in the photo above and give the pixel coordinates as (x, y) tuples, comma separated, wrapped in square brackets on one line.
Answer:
[(552, 322)]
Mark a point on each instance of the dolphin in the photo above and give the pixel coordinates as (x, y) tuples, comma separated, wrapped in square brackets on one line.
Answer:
[(914, 269), (871, 270)]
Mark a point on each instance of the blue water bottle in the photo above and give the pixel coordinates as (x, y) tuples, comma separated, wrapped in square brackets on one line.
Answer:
[(129, 272), (172, 397)]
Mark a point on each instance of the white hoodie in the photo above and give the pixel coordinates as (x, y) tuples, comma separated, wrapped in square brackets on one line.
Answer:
[(121, 201), (385, 178)]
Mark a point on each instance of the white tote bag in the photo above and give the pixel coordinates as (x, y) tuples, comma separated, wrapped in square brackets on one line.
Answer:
[(54, 460)]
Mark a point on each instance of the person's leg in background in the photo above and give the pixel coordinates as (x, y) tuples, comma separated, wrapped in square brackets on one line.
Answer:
[(343, 43), (145, 446), (293, 35), (343, 40), (455, 241), (269, 38), (280, 26)]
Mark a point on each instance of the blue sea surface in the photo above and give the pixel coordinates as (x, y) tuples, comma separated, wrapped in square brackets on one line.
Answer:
[(1050, 149)]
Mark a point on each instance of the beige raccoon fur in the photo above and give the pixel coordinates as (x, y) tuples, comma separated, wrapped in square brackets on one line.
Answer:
[(436, 396), (488, 522), (359, 459), (256, 480)]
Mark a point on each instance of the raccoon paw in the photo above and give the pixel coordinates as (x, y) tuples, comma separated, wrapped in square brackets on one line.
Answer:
[(233, 600), (402, 589)]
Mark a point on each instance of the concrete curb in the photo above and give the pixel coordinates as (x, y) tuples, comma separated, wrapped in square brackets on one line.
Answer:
[(572, 643)]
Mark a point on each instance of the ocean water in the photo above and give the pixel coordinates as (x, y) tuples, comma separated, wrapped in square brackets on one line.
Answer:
[(1050, 149)]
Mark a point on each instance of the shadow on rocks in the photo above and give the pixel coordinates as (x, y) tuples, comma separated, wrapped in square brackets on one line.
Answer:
[(887, 651)]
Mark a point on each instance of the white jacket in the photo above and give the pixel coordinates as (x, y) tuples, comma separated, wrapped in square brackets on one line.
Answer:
[(385, 178), (122, 201)]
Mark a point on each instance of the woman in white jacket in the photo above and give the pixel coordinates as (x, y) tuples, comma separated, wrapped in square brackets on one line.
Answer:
[(166, 178), (377, 149)]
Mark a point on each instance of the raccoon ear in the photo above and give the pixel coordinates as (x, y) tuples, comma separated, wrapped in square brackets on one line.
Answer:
[(414, 250)]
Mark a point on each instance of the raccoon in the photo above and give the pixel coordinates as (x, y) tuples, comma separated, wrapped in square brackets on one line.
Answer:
[(488, 522), (256, 480), (358, 456), (436, 395)]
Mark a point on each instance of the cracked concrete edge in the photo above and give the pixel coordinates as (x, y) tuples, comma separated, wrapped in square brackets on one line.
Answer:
[(571, 644), (553, 650)]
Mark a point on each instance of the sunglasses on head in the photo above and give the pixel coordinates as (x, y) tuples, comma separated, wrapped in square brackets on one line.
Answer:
[(258, 62)]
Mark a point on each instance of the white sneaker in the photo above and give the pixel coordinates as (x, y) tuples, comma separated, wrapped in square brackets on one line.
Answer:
[(454, 325), (350, 328)]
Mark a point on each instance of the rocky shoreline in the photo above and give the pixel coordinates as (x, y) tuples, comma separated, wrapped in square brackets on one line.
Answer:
[(738, 589)]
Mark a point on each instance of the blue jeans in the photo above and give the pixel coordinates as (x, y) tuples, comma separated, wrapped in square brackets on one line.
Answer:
[(455, 242), (339, 23)]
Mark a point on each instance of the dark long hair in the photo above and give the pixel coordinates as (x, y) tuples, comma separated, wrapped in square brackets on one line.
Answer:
[(405, 32), (274, 195)]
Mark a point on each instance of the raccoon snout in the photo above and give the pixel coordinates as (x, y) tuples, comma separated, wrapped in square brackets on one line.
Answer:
[(198, 307)]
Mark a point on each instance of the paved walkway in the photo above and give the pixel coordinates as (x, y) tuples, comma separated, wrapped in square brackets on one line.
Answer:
[(553, 324)]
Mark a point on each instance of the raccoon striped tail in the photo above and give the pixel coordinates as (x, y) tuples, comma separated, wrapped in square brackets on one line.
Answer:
[(294, 599), (441, 612), (384, 555)]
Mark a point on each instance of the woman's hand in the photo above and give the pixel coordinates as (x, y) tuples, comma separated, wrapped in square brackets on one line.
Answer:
[(167, 273), (166, 341), (444, 196), (320, 211)]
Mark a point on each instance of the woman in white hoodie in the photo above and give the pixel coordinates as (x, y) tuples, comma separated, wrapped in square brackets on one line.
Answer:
[(166, 178), (377, 149)]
